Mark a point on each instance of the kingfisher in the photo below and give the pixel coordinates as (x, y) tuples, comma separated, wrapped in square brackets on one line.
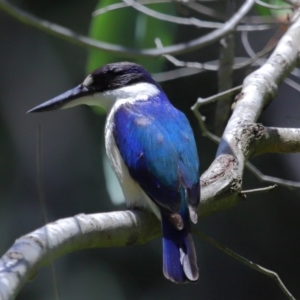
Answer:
[(152, 150)]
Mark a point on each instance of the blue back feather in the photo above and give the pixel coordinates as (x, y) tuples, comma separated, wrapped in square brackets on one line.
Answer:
[(158, 147)]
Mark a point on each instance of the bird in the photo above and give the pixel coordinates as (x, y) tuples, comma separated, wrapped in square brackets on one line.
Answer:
[(151, 148)]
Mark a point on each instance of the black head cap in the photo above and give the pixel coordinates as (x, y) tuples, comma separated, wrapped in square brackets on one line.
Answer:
[(116, 75), (108, 77)]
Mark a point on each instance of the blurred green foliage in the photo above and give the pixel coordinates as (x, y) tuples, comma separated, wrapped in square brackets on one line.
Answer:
[(130, 28), (278, 13)]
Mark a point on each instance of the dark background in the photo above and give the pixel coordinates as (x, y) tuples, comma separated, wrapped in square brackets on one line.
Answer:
[(34, 68)]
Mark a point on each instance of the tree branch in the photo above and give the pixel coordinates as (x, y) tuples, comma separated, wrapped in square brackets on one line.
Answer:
[(36, 249), (260, 62), (266, 178), (259, 89), (205, 10), (173, 19), (73, 37), (175, 74), (115, 6), (260, 190), (276, 140), (225, 72), (222, 181), (253, 137), (188, 21), (239, 62)]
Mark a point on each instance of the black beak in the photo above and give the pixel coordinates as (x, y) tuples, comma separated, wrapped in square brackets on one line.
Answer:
[(63, 100)]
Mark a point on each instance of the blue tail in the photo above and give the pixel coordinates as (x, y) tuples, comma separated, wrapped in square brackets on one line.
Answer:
[(179, 255)]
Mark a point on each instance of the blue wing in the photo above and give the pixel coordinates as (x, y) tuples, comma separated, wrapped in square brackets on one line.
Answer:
[(158, 147)]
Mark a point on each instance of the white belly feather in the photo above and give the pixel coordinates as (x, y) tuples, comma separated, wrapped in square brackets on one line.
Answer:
[(133, 193)]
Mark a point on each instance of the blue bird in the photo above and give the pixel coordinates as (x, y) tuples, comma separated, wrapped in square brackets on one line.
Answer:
[(152, 150)]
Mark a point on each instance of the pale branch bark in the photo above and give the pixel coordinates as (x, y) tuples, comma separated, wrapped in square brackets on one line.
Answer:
[(259, 89), (260, 190), (254, 137), (260, 62), (36, 249), (73, 37), (274, 140), (224, 177)]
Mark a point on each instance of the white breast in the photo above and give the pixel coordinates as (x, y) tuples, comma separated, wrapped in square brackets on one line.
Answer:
[(133, 193)]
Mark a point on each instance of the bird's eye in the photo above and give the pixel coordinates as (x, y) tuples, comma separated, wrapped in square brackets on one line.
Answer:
[(88, 81)]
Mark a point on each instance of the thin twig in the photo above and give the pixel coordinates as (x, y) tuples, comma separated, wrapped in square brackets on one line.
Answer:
[(200, 118), (259, 190), (179, 63), (293, 84), (205, 10), (173, 19), (175, 74), (254, 170), (225, 71), (115, 6), (86, 42), (216, 97), (272, 6), (209, 66), (138, 5), (205, 132), (247, 262), (212, 66), (252, 54), (266, 178)]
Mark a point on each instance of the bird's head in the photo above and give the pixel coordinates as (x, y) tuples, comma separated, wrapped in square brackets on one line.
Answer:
[(104, 86)]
